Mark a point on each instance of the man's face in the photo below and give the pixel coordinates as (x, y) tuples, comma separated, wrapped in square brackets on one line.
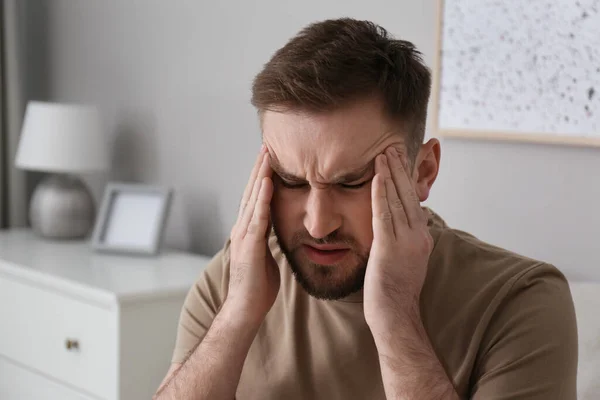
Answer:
[(321, 209)]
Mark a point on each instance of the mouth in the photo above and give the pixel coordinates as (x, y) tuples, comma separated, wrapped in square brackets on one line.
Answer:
[(325, 254)]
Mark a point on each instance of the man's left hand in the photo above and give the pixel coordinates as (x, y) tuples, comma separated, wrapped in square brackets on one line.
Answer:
[(401, 246)]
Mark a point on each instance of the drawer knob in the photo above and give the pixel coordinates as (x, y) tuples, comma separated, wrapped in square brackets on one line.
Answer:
[(72, 344)]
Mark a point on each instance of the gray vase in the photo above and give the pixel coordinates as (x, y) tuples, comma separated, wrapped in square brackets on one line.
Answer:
[(62, 208)]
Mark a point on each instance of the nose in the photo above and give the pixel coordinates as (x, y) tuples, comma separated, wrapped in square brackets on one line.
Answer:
[(321, 217)]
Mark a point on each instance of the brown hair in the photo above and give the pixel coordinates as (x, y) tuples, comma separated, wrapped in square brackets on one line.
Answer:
[(331, 63)]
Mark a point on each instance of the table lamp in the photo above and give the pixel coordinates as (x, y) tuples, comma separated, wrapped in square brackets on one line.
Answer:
[(64, 140)]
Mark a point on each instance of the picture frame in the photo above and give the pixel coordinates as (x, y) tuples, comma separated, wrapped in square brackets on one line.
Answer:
[(502, 73), (132, 218)]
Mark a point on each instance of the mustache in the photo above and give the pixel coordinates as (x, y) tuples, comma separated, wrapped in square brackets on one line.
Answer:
[(335, 237)]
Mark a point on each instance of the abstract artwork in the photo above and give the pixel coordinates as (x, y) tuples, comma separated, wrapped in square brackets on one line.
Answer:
[(519, 69)]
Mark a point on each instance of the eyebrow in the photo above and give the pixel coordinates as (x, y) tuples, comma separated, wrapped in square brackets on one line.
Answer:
[(345, 177)]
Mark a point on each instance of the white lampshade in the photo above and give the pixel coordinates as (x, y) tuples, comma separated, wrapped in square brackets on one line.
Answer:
[(62, 138)]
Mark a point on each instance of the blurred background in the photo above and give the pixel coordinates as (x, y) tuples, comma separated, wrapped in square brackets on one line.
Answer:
[(172, 81)]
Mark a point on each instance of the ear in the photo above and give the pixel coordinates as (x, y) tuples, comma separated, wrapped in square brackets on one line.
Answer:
[(427, 165)]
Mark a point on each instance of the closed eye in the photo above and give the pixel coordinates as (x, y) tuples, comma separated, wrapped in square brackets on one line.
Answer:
[(356, 186), (301, 185), (290, 185)]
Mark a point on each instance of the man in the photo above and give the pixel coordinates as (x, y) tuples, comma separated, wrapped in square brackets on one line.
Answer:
[(357, 292)]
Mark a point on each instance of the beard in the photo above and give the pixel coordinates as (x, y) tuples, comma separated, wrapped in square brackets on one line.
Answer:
[(325, 282)]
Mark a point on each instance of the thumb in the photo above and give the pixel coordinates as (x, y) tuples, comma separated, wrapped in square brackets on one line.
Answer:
[(268, 230)]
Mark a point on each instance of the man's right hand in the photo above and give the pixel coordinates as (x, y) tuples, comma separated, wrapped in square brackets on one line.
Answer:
[(213, 370), (254, 275)]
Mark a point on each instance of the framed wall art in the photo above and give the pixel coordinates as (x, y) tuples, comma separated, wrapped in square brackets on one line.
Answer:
[(518, 70)]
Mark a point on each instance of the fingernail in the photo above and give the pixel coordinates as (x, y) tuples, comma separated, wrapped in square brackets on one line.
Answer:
[(384, 159)]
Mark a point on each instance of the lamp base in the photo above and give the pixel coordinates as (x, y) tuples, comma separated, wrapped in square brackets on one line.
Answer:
[(62, 208)]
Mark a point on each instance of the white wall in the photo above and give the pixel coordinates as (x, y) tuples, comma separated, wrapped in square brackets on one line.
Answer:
[(173, 79)]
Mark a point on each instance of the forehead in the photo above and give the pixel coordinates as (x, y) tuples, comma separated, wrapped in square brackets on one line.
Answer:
[(325, 144)]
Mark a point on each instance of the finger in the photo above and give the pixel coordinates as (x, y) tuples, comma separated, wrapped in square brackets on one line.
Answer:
[(382, 216), (248, 190), (252, 180), (270, 224), (257, 229), (242, 222), (250, 204), (404, 187), (395, 203)]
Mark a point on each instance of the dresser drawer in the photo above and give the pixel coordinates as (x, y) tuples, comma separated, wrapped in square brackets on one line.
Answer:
[(18, 383), (59, 336)]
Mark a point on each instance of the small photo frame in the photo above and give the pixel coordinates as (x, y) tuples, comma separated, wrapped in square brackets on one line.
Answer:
[(132, 218)]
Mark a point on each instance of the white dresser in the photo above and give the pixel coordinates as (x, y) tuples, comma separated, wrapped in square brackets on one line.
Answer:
[(75, 324)]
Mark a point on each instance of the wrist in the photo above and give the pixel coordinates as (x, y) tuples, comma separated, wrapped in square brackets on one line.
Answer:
[(394, 314), (400, 324), (242, 315)]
